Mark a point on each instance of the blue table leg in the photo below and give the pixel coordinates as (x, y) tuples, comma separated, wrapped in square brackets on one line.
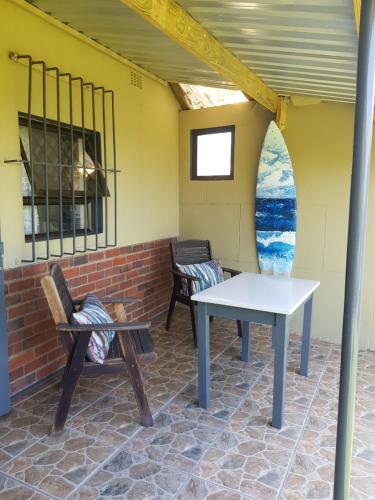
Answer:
[(203, 356), (305, 349), (280, 342), (245, 341)]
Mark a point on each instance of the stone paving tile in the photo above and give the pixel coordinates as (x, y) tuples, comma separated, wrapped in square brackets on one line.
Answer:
[(13, 490), (226, 452), (216, 348), (181, 365), (254, 415), (40, 386), (174, 441), (18, 431), (245, 464), (362, 485), (102, 383), (257, 359), (57, 465), (112, 418), (45, 402), (234, 380), (198, 489), (222, 405), (312, 471), (132, 476), (309, 477), (163, 388)]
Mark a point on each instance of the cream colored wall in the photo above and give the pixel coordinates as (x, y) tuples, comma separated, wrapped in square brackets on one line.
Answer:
[(221, 211), (319, 139), (146, 127)]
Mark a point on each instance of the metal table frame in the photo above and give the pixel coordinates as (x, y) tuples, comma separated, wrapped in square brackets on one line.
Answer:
[(280, 336)]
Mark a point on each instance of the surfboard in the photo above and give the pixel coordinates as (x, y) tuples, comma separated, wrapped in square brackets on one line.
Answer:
[(275, 206)]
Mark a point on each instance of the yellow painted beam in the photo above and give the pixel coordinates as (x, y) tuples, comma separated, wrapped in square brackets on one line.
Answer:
[(175, 22), (357, 12), (281, 112), (180, 96)]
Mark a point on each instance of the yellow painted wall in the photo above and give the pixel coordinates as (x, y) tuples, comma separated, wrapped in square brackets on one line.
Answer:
[(146, 127), (221, 211), (319, 139)]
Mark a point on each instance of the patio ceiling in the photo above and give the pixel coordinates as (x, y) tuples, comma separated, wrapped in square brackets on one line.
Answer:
[(297, 47), (306, 47), (120, 29)]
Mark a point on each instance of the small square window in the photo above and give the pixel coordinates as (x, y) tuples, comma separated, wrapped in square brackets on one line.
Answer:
[(212, 153)]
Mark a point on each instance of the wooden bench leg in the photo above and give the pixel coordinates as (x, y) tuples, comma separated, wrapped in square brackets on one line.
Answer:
[(136, 379), (133, 370), (193, 323), (170, 311), (69, 382)]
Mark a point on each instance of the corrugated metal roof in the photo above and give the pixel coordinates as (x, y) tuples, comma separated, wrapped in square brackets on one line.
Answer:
[(296, 46), (118, 28), (306, 47)]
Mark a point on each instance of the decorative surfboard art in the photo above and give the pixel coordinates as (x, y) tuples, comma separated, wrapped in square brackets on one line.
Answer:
[(275, 207)]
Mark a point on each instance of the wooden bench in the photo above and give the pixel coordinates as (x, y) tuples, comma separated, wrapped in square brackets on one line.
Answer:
[(131, 346), (183, 253)]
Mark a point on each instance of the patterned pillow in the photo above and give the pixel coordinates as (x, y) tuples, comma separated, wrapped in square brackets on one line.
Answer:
[(93, 311), (210, 274)]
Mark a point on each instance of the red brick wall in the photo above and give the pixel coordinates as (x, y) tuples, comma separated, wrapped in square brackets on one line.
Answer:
[(135, 271)]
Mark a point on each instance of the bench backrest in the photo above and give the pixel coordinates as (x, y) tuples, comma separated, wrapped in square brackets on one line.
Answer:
[(60, 303), (190, 252)]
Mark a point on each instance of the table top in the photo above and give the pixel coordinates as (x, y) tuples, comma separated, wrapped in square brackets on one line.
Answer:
[(260, 292)]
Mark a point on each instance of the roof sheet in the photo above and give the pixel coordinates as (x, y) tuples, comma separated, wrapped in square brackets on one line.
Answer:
[(118, 28), (306, 47), (296, 46)]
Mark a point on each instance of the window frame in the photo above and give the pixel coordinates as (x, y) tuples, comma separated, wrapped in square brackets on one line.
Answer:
[(53, 196), (194, 134)]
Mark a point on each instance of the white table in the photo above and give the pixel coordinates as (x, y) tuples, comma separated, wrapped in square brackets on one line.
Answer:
[(256, 298)]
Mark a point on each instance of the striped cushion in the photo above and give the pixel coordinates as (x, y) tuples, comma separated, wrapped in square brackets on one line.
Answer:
[(210, 274), (92, 311)]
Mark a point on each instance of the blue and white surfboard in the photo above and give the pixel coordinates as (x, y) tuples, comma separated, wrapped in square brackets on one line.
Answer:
[(275, 211)]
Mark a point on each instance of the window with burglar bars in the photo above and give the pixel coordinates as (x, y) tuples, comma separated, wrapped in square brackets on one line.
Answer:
[(72, 217), (69, 184)]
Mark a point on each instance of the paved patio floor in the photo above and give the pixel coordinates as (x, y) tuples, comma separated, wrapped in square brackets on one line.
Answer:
[(228, 452)]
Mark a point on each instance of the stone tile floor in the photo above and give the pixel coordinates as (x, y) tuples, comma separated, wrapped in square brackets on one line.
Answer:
[(227, 452)]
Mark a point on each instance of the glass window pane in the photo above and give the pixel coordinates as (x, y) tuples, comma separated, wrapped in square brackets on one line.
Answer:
[(70, 171), (26, 185), (54, 219), (53, 168), (214, 154)]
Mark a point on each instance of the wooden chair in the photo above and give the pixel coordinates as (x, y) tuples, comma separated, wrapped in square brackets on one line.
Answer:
[(132, 345), (183, 253)]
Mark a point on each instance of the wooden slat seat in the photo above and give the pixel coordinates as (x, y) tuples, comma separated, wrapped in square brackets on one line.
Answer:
[(142, 341), (132, 345)]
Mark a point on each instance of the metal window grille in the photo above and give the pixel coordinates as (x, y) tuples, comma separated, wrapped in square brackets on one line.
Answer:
[(69, 168)]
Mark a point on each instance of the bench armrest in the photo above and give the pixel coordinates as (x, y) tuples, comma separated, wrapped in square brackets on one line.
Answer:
[(232, 272), (186, 276), (111, 300), (103, 327)]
